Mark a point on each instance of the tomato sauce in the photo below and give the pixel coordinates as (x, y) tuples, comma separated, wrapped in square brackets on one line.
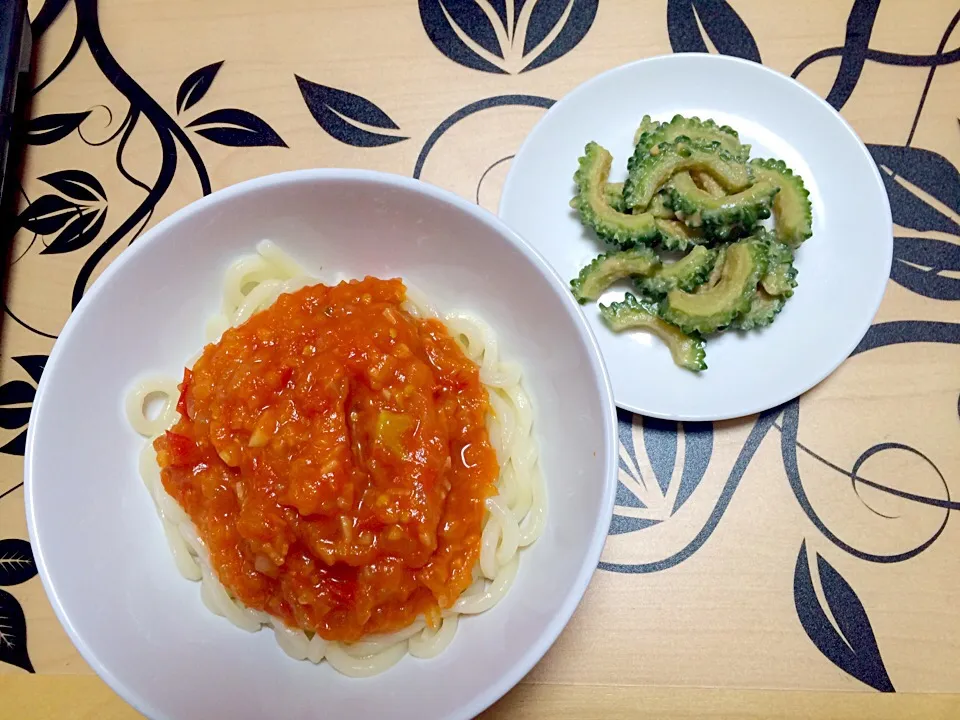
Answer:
[(334, 457)]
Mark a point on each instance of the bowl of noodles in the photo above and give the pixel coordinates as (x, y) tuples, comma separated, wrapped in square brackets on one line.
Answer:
[(325, 439)]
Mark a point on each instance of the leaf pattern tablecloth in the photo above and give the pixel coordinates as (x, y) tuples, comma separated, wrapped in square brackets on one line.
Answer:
[(810, 547)]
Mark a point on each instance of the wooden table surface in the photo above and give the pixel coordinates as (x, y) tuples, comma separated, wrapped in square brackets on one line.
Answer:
[(757, 576)]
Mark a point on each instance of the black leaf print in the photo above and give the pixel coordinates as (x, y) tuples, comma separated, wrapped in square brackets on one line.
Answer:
[(13, 633), (16, 397), (236, 128), (336, 111), (33, 364), (16, 562), (500, 37), (860, 22), (660, 439), (48, 129), (721, 23), (929, 171), (698, 449), (195, 86), (77, 185), (17, 446), (919, 262), (914, 212), (855, 651), (441, 19), (15, 392), (48, 214), (14, 418), (545, 17), (79, 233)]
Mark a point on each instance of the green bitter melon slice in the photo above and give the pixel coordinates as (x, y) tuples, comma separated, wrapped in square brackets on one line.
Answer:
[(622, 229), (762, 311), (714, 276), (781, 277), (606, 269), (718, 307), (724, 217), (658, 206), (687, 350), (651, 133), (613, 194), (647, 172), (686, 273), (677, 235), (706, 183), (647, 125), (792, 212)]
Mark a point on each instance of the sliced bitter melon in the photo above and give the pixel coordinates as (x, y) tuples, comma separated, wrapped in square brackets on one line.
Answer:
[(716, 308), (651, 133), (676, 235), (792, 212), (647, 125), (619, 228), (613, 194), (714, 276), (780, 279), (658, 206), (610, 267), (686, 273), (687, 350), (762, 311), (725, 217), (706, 183), (647, 172)]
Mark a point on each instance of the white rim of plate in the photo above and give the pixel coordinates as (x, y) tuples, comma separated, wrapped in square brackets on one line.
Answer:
[(532, 655), (571, 98)]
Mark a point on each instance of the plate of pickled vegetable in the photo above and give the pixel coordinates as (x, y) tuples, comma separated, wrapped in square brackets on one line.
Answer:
[(725, 230)]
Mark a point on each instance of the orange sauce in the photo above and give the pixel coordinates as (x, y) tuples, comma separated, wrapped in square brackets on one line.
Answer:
[(333, 454)]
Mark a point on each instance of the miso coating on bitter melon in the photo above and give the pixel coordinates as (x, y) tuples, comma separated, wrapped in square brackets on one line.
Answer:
[(651, 133), (689, 221), (631, 314), (792, 212), (781, 275), (622, 229), (686, 273), (610, 267), (648, 171), (724, 218), (762, 311), (677, 235), (707, 312)]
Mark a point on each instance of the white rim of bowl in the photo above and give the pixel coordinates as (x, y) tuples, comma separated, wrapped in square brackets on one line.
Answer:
[(572, 96), (531, 656)]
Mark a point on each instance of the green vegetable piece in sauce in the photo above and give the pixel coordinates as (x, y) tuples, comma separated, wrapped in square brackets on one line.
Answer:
[(610, 267), (725, 217), (686, 273), (693, 128), (622, 229), (718, 307), (792, 211), (647, 172), (632, 314)]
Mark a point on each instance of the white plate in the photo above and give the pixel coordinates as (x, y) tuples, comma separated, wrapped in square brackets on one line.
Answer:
[(843, 268), (99, 544)]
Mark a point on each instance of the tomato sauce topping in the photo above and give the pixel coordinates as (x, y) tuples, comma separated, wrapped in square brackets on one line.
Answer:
[(333, 454)]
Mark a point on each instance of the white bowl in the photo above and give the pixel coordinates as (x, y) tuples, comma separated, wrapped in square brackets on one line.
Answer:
[(843, 268), (99, 545)]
